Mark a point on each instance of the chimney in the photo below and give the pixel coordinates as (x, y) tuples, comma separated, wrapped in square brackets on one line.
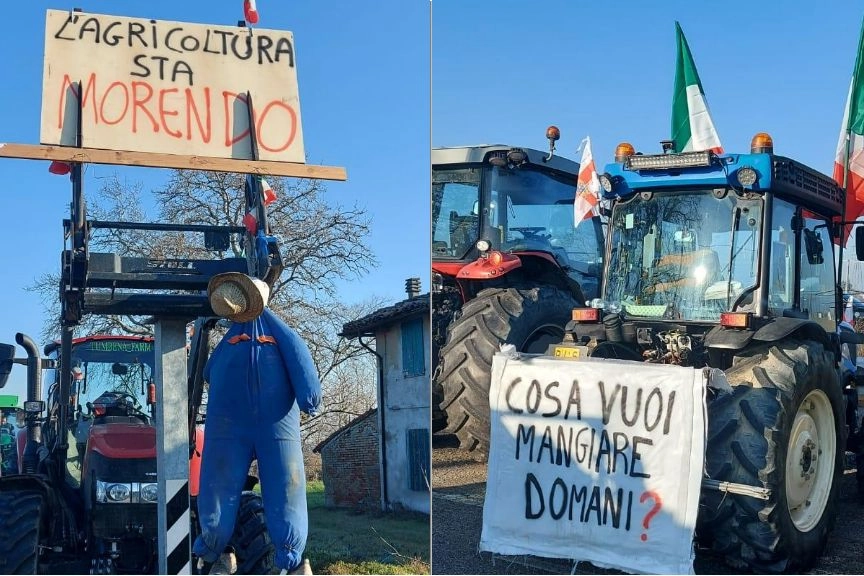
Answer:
[(412, 287)]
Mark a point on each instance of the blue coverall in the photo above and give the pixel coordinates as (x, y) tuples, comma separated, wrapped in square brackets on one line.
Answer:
[(261, 376)]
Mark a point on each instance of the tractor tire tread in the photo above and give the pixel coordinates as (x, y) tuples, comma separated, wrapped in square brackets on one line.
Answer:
[(251, 540), (20, 524), (493, 317), (746, 443)]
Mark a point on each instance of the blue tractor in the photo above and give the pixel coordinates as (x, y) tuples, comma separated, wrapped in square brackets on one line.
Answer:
[(728, 262)]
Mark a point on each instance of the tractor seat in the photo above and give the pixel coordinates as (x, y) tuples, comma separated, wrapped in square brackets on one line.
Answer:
[(676, 271)]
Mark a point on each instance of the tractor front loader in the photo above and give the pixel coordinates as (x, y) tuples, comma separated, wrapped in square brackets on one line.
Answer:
[(91, 497)]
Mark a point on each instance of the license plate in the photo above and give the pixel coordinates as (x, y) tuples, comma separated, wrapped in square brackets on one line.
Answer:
[(566, 352)]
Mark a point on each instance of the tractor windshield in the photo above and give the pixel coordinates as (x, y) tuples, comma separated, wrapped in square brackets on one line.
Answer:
[(686, 255), (112, 365)]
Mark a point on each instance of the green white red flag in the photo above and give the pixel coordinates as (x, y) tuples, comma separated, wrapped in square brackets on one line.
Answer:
[(587, 186), (849, 160), (692, 127)]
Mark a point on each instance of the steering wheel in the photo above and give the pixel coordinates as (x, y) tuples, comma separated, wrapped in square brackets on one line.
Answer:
[(121, 395)]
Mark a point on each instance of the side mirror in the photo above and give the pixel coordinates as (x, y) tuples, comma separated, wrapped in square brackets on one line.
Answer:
[(859, 242), (7, 353), (813, 246)]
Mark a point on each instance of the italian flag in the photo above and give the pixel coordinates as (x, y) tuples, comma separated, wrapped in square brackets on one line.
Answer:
[(849, 160), (692, 128), (587, 186)]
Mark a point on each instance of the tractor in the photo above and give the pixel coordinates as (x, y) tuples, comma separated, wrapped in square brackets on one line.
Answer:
[(727, 262), (83, 500), (92, 507), (508, 263), (8, 434)]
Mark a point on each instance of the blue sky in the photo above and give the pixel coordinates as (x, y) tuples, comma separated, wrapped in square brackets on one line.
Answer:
[(606, 69), (363, 72)]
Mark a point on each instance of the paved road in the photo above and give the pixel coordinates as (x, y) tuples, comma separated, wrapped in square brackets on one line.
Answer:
[(459, 484)]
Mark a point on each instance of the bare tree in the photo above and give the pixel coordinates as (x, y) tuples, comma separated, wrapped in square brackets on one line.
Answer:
[(320, 243)]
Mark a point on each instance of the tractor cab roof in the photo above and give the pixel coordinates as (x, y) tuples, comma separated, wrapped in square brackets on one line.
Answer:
[(757, 173), (481, 153)]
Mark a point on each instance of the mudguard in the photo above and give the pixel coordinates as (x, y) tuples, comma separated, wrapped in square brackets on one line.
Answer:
[(775, 329)]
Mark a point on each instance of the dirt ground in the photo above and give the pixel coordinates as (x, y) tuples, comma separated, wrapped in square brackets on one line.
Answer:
[(459, 484)]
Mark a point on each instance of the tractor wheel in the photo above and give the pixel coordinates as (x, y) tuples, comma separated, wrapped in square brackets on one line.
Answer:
[(251, 540), (20, 521), (780, 428), (528, 318)]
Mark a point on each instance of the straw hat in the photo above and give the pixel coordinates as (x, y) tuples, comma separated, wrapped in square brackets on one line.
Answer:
[(238, 297)]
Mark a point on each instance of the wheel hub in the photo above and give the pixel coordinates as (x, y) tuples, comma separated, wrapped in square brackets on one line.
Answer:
[(809, 476)]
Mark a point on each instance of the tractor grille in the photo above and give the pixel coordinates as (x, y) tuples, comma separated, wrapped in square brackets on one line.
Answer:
[(117, 520), (123, 469)]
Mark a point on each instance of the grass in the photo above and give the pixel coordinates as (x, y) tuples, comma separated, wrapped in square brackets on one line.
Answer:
[(347, 541)]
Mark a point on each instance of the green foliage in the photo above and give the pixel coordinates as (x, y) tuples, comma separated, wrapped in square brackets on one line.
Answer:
[(348, 541)]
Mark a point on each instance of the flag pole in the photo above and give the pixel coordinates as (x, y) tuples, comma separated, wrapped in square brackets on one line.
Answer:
[(848, 151)]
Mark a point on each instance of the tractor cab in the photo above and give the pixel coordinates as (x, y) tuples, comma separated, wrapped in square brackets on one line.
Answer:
[(513, 201), (111, 377), (712, 244)]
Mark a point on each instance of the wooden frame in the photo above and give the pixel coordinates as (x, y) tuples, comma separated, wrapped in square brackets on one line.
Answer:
[(154, 160)]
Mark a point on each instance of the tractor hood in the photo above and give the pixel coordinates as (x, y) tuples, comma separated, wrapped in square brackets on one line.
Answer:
[(120, 440)]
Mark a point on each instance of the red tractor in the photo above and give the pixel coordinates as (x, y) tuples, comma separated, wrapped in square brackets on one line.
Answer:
[(509, 262), (86, 500)]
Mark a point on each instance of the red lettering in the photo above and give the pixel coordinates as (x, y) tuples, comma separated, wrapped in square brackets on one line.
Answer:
[(89, 91), (105, 99), (192, 108), (164, 112), (260, 123), (179, 113), (139, 103), (226, 98)]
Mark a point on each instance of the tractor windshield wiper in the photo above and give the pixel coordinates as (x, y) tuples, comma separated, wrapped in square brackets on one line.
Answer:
[(736, 218)]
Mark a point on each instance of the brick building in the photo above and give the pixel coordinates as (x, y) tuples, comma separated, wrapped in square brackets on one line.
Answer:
[(350, 467)]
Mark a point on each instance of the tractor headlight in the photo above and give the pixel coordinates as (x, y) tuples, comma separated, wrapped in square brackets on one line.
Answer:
[(746, 176), (605, 182), (126, 492), (119, 492), (149, 492)]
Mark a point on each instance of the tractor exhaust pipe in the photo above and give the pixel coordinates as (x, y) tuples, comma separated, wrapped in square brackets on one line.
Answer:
[(34, 393)]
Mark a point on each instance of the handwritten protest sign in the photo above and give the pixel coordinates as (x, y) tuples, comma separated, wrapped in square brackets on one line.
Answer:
[(170, 87), (595, 460)]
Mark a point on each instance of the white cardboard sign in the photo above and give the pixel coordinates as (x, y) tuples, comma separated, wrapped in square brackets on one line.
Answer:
[(170, 87), (595, 460)]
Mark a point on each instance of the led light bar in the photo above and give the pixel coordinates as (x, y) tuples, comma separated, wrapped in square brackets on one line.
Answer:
[(667, 161)]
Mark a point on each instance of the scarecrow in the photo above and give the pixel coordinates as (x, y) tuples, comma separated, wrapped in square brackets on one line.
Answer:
[(261, 376)]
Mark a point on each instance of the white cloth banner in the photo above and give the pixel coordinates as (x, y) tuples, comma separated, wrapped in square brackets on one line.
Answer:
[(595, 460)]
